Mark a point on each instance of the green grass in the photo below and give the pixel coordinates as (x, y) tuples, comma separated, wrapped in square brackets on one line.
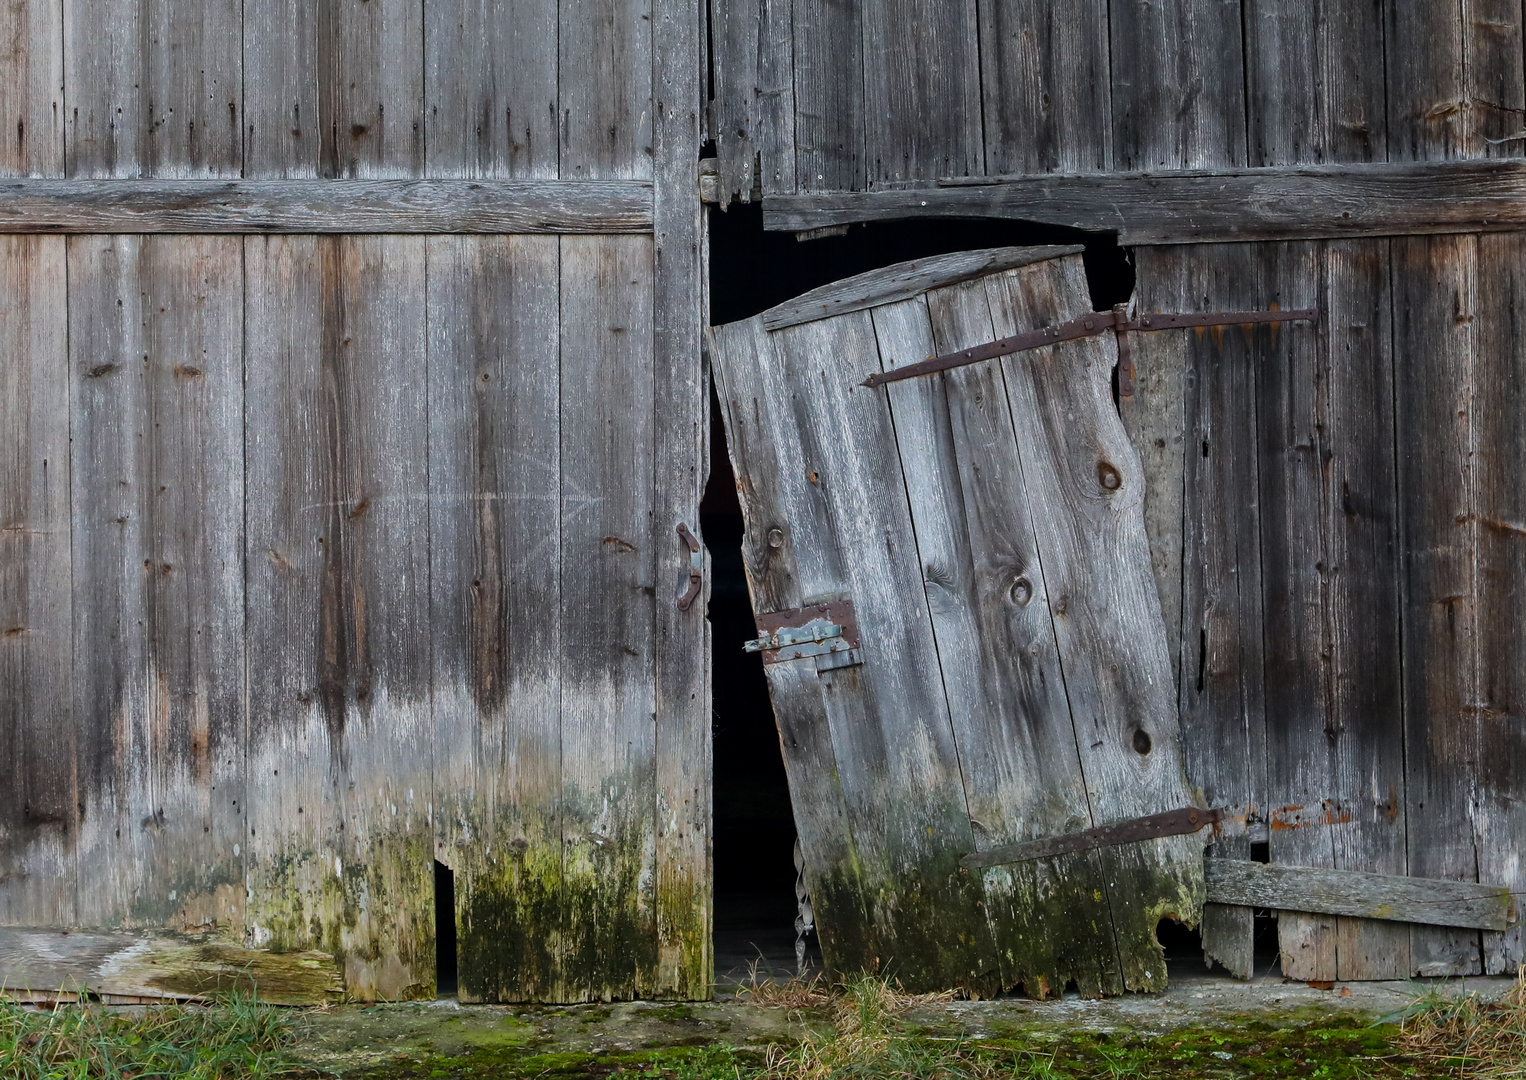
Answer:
[(236, 1039)]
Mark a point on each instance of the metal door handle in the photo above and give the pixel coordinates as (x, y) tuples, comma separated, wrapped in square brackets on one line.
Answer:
[(696, 567)]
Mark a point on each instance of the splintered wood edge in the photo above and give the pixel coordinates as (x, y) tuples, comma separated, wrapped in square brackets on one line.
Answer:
[(890, 284), (1396, 898)]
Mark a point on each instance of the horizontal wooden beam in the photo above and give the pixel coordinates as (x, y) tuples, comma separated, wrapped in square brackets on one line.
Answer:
[(1203, 207), (1365, 896), (325, 206)]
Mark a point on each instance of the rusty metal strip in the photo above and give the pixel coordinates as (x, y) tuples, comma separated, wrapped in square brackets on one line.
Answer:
[(1100, 322), (837, 614), (1189, 819)]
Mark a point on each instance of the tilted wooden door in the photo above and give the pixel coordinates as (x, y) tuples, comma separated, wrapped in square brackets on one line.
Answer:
[(1010, 679)]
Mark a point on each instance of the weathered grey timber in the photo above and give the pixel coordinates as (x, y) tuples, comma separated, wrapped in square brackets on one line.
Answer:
[(31, 85), (1191, 207), (322, 206), (46, 965), (903, 281), (753, 109), (39, 798), (828, 39), (842, 489), (1388, 897)]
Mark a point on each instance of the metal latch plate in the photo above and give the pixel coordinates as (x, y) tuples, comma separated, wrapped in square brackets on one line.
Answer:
[(820, 630)]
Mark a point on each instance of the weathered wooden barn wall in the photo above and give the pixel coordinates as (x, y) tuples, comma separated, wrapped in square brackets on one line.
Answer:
[(1337, 512), (325, 556)]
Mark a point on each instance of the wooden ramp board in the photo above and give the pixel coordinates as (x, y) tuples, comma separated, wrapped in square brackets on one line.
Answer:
[(49, 965), (1009, 680)]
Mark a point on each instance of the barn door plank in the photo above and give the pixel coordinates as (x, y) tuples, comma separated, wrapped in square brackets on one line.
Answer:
[(829, 96), (155, 87), (157, 401), (491, 86), (764, 441), (37, 809), (605, 89), (754, 96), (340, 745), (1086, 491), (1050, 924), (494, 456), (32, 89), (921, 90), (608, 592), (1047, 91)]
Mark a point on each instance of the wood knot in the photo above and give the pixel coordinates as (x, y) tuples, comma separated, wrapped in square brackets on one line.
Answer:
[(1109, 476)]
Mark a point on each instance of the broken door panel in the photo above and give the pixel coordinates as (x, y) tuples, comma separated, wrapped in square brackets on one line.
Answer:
[(986, 526)]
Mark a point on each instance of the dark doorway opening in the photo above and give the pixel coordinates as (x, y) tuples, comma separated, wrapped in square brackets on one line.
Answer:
[(444, 931), (754, 830)]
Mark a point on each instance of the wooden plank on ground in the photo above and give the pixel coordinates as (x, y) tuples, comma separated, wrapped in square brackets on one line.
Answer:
[(1047, 86), (31, 89), (340, 744), (38, 819), (494, 459), (36, 963), (1050, 922), (681, 394), (324, 206), (1086, 490), (1187, 206), (156, 376), (902, 282), (153, 88), (607, 635), (490, 79), (922, 102), (829, 96), (1390, 897), (605, 90)]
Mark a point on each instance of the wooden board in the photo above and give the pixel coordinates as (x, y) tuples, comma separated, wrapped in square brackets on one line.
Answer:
[(39, 965), (340, 746), (31, 89), (886, 501), (1189, 207), (494, 457), (752, 66), (1389, 897), (38, 815), (605, 90), (156, 381), (607, 621), (829, 96), (324, 206)]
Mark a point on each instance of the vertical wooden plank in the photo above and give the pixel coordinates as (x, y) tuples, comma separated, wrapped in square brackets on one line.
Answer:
[(1048, 97), (608, 594), (37, 809), (1221, 694), (370, 88), (494, 556), (1315, 94), (763, 442), (829, 96), (605, 89), (157, 401), (1086, 491), (921, 90), (154, 87), (1178, 84), (1329, 544), (1437, 355), (680, 388), (338, 580), (32, 88), (1499, 507), (282, 129), (491, 86), (754, 96), (1049, 919)]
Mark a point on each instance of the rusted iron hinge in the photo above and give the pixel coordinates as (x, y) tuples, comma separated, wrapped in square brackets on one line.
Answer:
[(1189, 819), (1101, 322), (826, 631)]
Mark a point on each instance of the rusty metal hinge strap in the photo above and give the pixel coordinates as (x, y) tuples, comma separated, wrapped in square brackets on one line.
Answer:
[(1189, 819), (1100, 322)]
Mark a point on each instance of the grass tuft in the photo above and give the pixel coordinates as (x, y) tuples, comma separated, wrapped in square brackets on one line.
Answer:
[(1465, 1036), (237, 1039)]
